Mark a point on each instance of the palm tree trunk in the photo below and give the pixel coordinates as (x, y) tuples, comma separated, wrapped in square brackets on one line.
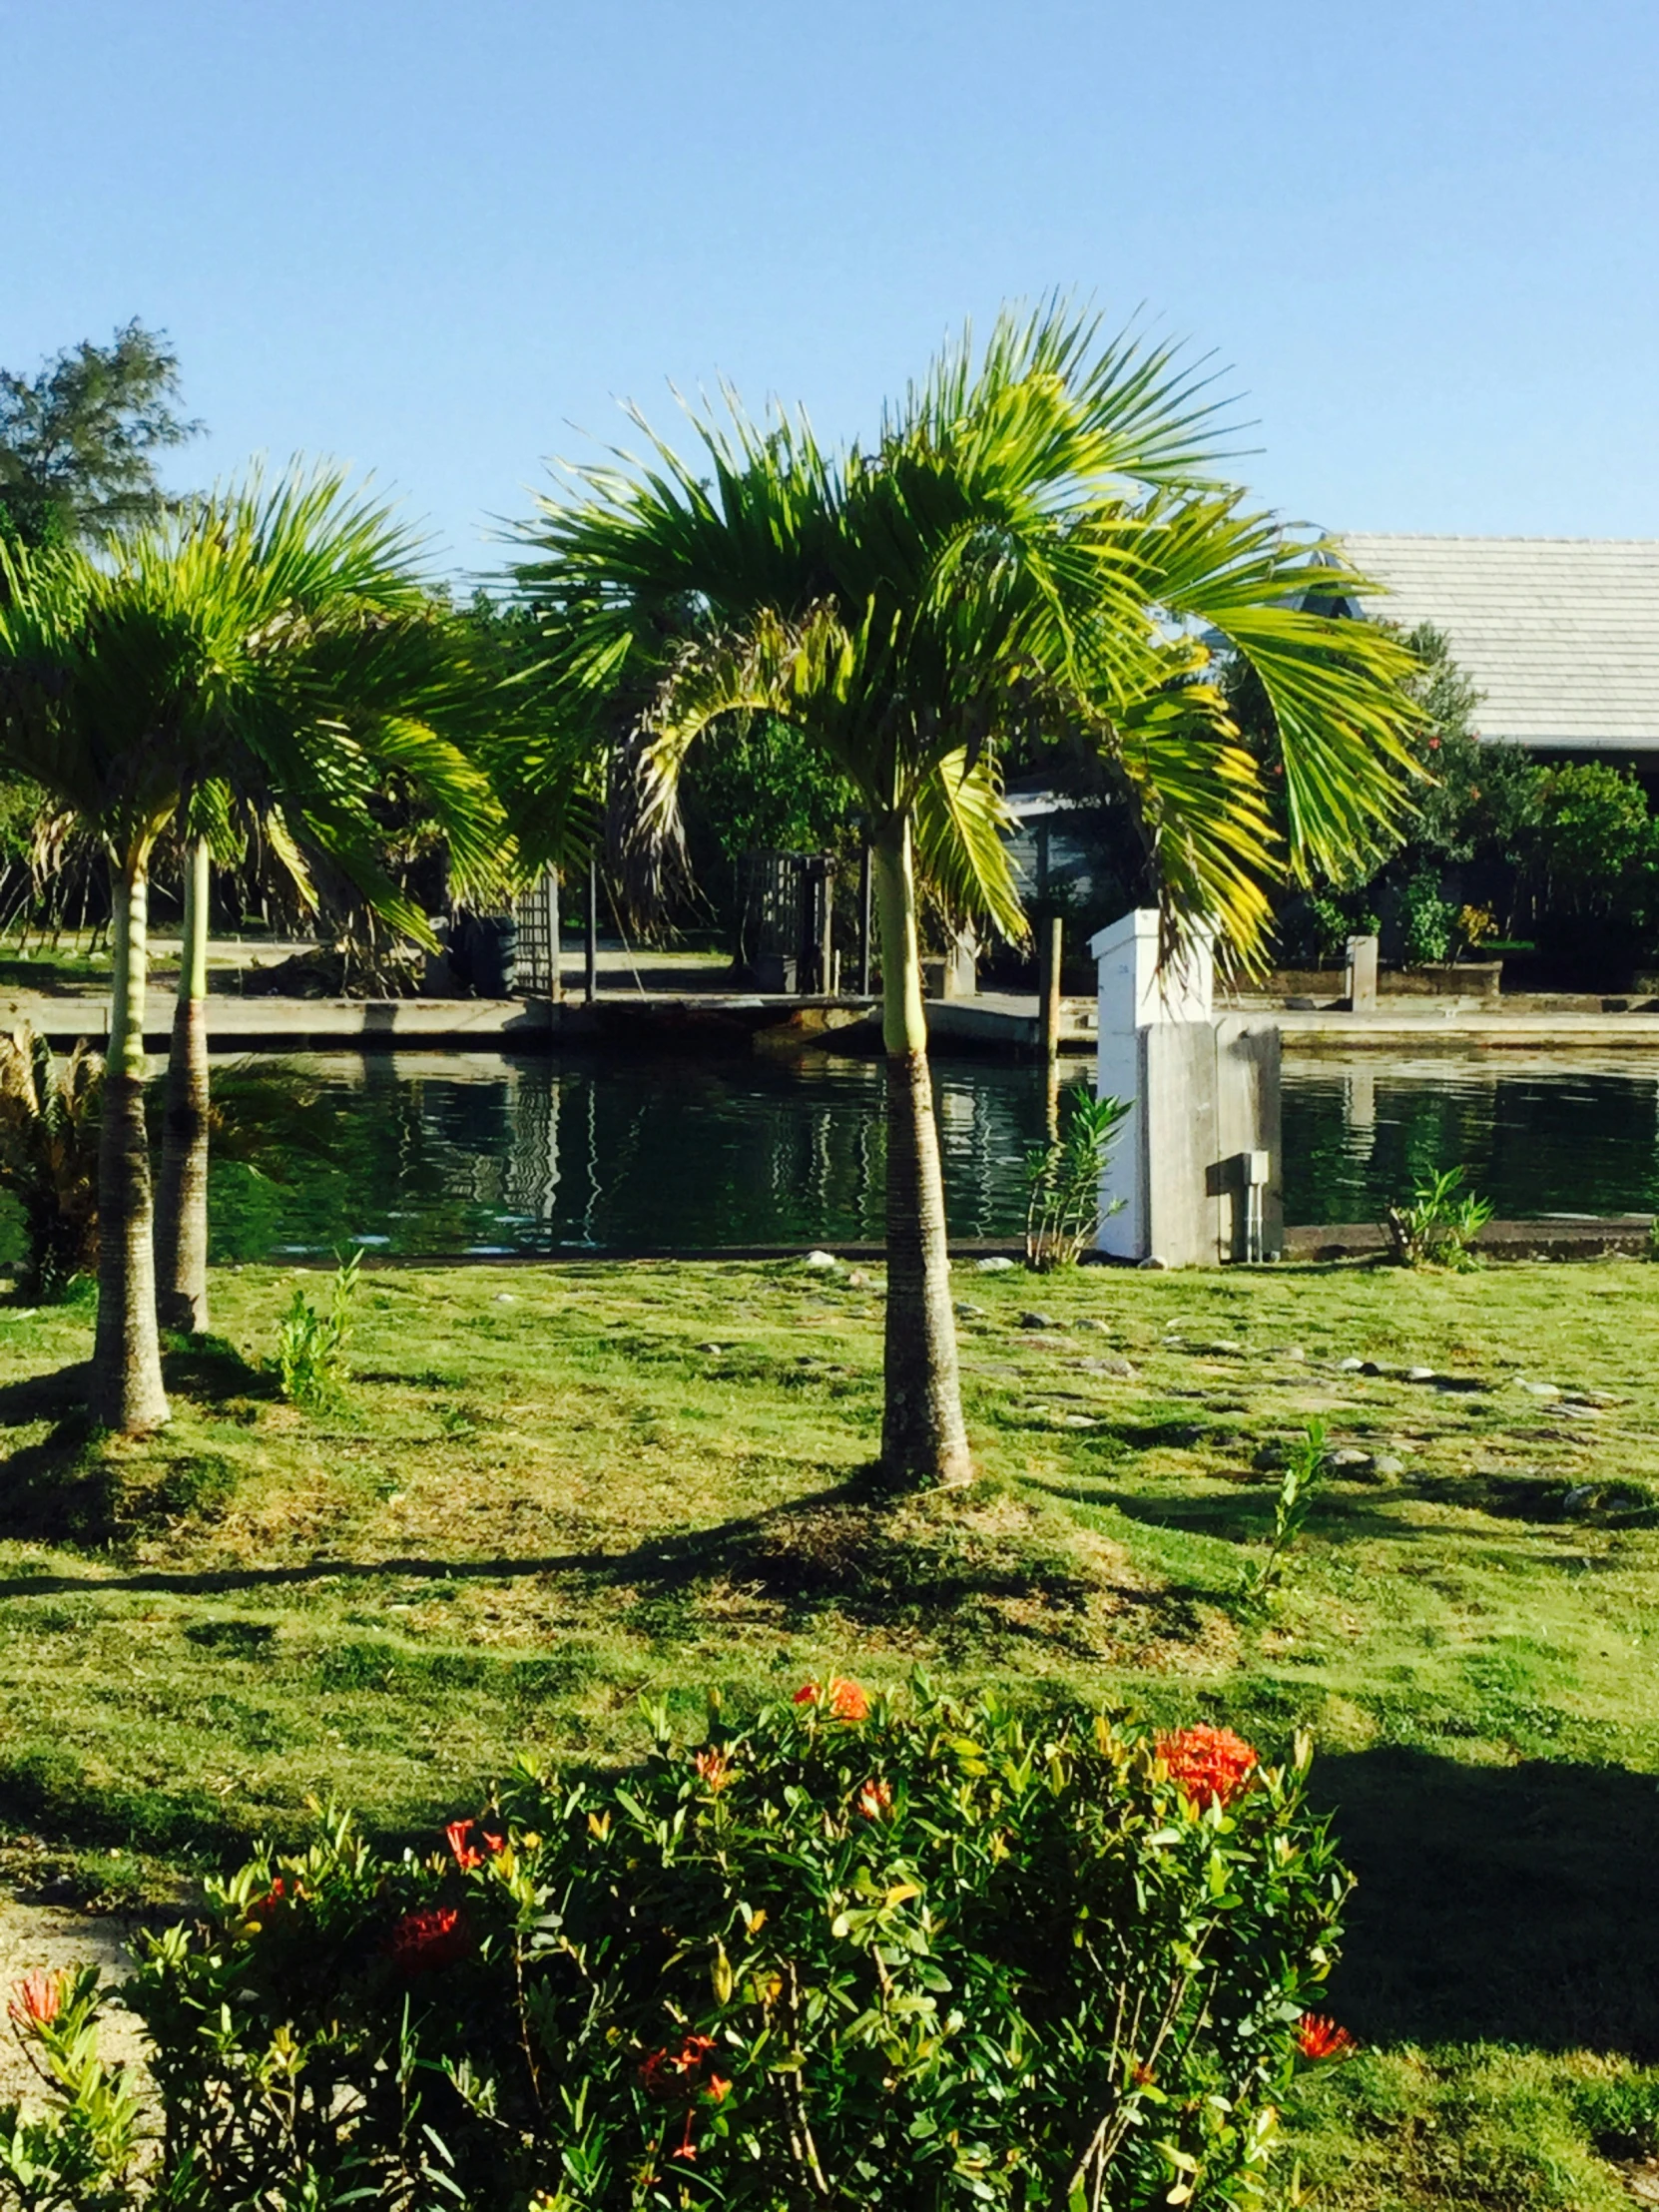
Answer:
[(127, 1391), (182, 1201), (923, 1439)]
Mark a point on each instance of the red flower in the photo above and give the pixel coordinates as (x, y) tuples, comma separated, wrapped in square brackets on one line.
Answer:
[(266, 1908), (671, 2074), (1433, 745), (37, 1999), (714, 1769), (426, 1940), (1208, 1762), (846, 1701), (874, 1801), (1319, 2037), (472, 1843)]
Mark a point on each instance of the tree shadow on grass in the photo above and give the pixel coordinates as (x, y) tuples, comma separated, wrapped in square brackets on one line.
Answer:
[(68, 1487), (961, 1567), (1501, 1904)]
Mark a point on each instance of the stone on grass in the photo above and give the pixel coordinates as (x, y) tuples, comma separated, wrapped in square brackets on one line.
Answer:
[(706, 1348), (1351, 1366), (1419, 1375), (998, 1263), (1387, 1467), (1157, 1266), (967, 1311), (1040, 1320), (1097, 1326), (1110, 1365), (857, 1279), (1348, 1458), (1538, 1389), (821, 1263)]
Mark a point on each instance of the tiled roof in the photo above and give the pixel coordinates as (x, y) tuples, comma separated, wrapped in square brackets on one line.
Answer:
[(1561, 635)]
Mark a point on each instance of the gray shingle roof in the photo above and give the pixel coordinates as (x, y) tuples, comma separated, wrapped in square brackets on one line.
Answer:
[(1560, 634)]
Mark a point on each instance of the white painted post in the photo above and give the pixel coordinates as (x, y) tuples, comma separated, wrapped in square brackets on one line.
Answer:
[(1135, 993), (1362, 975)]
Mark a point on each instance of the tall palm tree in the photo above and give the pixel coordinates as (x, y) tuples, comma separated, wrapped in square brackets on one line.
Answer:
[(196, 667), (347, 682), (1037, 538)]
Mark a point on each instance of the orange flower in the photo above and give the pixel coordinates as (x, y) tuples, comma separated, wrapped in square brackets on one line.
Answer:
[(845, 1700), (1319, 2037), (37, 1999), (472, 1843), (1208, 1762), (669, 2074), (714, 1769), (718, 2087), (874, 1801)]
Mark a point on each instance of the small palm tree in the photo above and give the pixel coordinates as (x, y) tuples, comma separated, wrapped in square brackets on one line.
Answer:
[(1035, 541), (273, 651), (49, 1127)]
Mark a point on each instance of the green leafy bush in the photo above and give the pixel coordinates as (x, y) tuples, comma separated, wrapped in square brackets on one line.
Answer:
[(893, 1954), (1427, 919), (310, 1346), (1439, 1225)]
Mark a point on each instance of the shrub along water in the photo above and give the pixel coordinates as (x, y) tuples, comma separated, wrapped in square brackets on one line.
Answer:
[(866, 1953)]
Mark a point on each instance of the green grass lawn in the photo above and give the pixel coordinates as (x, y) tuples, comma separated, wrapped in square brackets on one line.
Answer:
[(555, 1488)]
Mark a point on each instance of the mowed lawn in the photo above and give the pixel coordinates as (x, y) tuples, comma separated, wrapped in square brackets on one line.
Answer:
[(551, 1490)]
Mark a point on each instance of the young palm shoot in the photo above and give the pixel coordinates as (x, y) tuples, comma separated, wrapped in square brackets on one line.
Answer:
[(1065, 1210)]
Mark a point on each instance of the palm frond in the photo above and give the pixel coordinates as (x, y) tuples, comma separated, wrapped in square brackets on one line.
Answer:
[(961, 851)]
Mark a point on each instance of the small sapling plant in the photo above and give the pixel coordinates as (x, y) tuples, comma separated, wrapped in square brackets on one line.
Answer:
[(1304, 1472), (310, 1346), (1062, 1179), (1439, 1225)]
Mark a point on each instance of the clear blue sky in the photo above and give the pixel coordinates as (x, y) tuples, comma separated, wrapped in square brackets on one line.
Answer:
[(442, 240)]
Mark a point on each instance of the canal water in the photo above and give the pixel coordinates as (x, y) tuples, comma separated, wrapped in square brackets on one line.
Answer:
[(459, 1153)]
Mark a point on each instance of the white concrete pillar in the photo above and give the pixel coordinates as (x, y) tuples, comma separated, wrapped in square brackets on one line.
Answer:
[(1136, 992)]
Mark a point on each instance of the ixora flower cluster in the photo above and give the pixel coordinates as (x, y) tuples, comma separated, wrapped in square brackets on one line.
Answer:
[(893, 1950)]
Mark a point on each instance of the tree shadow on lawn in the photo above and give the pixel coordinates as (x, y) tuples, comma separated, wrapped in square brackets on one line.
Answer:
[(963, 1567), (1501, 1904), (67, 1485)]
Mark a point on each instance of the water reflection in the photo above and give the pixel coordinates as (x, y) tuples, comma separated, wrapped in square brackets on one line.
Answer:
[(456, 1153), (478, 1153), (1537, 1136)]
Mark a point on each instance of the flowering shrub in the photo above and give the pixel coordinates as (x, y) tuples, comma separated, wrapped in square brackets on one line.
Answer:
[(863, 1952)]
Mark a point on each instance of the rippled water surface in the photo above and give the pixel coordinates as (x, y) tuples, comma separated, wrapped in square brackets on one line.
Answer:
[(1538, 1136), (454, 1153), (461, 1152)]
